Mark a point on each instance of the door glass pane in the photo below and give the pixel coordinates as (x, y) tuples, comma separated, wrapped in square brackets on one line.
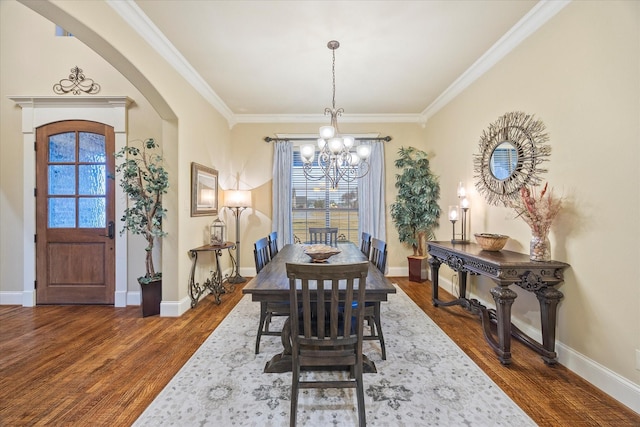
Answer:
[(91, 180), (91, 212), (62, 179), (62, 212), (92, 148), (62, 147)]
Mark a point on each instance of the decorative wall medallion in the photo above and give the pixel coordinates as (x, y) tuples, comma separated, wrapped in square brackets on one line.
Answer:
[(77, 84), (511, 152)]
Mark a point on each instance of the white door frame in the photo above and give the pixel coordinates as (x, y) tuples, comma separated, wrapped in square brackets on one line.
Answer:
[(42, 110)]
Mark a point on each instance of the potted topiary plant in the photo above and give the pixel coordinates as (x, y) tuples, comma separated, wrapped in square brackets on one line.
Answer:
[(415, 212), (144, 181)]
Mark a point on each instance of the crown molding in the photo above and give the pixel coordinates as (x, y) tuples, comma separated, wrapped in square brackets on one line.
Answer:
[(321, 118), (529, 24), (139, 22)]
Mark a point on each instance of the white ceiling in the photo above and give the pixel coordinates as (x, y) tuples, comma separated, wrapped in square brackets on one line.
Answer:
[(270, 58)]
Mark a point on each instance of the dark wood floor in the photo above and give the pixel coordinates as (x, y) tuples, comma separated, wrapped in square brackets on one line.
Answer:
[(101, 366)]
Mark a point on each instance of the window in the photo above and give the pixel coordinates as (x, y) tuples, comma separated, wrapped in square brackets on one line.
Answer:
[(61, 32), (316, 204)]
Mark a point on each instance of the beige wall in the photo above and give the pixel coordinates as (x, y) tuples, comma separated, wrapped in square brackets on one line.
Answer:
[(35, 74), (579, 74), (167, 107)]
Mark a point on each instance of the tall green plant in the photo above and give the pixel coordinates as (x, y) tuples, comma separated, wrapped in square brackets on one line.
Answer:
[(144, 180), (415, 212)]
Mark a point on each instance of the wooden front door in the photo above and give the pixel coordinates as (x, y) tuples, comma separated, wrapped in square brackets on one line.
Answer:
[(75, 246)]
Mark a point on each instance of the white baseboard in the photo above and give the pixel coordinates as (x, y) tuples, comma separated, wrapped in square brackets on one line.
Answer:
[(616, 386), (11, 298), (134, 298), (175, 308)]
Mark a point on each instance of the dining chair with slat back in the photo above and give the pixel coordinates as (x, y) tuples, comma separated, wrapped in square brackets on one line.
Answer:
[(267, 309), (261, 253), (365, 244), (273, 244), (323, 235), (327, 331), (372, 311)]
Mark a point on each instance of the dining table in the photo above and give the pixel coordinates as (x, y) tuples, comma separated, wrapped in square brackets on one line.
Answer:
[(271, 284)]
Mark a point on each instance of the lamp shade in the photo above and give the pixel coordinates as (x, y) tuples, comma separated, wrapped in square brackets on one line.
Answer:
[(237, 198)]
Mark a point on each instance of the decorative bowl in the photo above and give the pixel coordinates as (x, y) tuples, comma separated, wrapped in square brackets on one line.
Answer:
[(491, 242), (321, 253)]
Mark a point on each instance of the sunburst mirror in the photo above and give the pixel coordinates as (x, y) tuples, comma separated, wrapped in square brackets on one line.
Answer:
[(511, 151)]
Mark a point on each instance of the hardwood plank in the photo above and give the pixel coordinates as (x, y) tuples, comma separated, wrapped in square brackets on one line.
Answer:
[(102, 366)]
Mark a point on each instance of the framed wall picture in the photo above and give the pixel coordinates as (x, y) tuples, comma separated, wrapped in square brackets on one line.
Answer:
[(204, 190)]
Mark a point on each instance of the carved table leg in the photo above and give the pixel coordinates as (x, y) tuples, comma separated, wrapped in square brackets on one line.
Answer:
[(548, 298), (194, 288), (462, 283), (434, 265), (504, 298)]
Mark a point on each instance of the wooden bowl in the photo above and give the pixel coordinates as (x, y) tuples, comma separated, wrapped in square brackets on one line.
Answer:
[(321, 253), (491, 242)]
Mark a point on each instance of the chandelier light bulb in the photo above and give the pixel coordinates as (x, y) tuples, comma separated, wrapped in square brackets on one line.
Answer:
[(364, 151), (321, 143), (354, 159), (327, 132), (336, 145), (307, 152), (348, 141)]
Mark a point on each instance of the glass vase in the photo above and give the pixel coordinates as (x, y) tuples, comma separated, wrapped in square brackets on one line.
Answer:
[(540, 248)]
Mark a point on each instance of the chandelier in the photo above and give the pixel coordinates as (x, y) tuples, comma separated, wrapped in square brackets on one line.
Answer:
[(338, 158)]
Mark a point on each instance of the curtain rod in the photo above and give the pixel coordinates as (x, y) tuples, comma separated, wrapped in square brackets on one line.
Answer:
[(269, 139)]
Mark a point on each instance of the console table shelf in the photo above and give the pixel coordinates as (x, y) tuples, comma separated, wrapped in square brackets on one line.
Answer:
[(216, 284), (504, 268)]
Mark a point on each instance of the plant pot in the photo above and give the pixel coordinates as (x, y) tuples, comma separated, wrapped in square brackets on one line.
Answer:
[(151, 298), (417, 268)]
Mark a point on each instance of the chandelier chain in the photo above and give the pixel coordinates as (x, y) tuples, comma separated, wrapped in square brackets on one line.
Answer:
[(333, 72)]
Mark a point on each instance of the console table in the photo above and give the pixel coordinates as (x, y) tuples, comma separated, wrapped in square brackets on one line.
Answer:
[(216, 284), (504, 268)]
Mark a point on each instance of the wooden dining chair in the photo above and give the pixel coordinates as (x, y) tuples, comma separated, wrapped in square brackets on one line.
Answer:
[(365, 244), (372, 312), (327, 331), (267, 309), (323, 235), (273, 244)]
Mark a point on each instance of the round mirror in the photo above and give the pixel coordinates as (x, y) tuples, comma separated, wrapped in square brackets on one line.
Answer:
[(511, 152), (504, 160)]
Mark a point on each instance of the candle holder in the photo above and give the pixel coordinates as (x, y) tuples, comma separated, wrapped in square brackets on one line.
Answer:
[(464, 204), (453, 217)]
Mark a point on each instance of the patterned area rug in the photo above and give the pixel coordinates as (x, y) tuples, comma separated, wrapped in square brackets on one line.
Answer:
[(425, 381)]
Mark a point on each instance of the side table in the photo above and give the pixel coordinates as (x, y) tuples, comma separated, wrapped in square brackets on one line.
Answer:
[(216, 284), (504, 268)]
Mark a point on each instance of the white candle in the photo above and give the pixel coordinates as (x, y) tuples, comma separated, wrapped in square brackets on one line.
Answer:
[(461, 190), (453, 213)]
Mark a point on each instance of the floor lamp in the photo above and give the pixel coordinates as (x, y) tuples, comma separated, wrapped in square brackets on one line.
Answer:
[(237, 201)]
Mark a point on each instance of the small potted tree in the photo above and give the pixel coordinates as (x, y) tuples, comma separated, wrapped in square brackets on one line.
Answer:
[(415, 212), (144, 181)]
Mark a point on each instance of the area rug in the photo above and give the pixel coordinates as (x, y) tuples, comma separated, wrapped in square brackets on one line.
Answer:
[(425, 381)]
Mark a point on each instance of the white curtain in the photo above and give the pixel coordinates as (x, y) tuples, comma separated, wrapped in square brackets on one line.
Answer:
[(281, 214), (371, 190)]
